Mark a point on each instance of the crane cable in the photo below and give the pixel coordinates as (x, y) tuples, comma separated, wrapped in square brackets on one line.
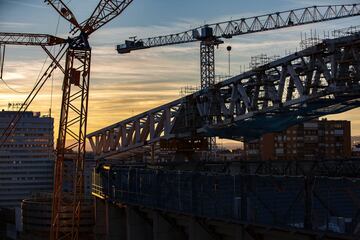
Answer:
[(2, 60), (52, 75), (2, 57), (7, 85), (20, 112)]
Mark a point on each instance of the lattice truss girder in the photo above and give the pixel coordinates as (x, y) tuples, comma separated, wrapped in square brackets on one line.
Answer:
[(72, 131), (105, 11), (207, 64), (327, 74), (146, 128), (324, 70), (284, 19), (30, 39), (64, 11), (249, 25)]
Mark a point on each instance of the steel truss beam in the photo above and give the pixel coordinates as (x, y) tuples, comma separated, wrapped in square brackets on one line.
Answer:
[(30, 39), (146, 128), (64, 11), (105, 11), (317, 81), (210, 35)]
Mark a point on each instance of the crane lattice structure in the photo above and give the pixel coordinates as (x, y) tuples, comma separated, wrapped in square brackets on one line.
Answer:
[(74, 105), (211, 35)]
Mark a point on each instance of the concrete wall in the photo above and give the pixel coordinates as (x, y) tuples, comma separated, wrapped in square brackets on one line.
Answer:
[(137, 223)]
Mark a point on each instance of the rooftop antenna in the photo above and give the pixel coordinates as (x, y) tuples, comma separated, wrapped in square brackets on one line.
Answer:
[(14, 106)]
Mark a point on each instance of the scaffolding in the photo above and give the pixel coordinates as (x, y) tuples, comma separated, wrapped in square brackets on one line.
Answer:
[(310, 40), (261, 59), (187, 90), (343, 32)]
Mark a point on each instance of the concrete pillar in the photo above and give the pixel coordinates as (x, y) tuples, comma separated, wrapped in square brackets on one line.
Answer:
[(164, 230), (239, 233), (116, 223), (138, 227), (110, 221), (101, 219), (198, 232), (308, 202)]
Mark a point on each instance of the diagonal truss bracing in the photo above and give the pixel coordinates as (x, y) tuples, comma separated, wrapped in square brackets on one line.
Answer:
[(30, 39), (317, 81), (266, 22), (105, 11), (143, 129)]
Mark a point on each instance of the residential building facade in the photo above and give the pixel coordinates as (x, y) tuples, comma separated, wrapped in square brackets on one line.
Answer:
[(317, 139), (26, 159)]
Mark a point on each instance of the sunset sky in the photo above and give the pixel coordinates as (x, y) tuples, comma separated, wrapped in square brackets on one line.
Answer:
[(124, 85)]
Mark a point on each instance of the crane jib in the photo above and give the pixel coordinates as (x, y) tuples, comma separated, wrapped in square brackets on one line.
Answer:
[(261, 23)]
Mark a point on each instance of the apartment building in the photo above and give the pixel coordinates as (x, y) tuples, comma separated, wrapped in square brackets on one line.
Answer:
[(26, 159), (317, 139)]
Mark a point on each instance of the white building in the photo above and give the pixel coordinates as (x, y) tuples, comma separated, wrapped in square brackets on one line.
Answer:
[(26, 159)]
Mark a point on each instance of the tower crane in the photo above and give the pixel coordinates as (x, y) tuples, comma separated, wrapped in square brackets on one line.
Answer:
[(211, 35), (75, 94)]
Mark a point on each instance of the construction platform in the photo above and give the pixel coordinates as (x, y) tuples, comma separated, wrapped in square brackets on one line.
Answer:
[(314, 201)]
